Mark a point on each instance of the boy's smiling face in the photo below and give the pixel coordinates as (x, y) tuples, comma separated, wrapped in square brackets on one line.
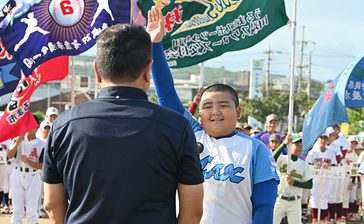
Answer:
[(218, 113)]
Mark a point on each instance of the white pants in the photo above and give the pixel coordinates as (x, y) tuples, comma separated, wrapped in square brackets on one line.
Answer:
[(26, 188), (320, 194), (348, 195), (3, 176), (290, 208), (336, 190)]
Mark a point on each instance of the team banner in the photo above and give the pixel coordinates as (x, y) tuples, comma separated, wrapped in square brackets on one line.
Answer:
[(17, 118), (346, 90), (9, 71), (337, 172), (199, 30), (34, 31)]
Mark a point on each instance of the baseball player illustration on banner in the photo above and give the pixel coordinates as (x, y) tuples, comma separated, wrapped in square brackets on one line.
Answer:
[(32, 26), (291, 185), (26, 184), (103, 5)]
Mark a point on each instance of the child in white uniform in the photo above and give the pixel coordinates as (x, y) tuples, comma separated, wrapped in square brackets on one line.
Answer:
[(319, 156)]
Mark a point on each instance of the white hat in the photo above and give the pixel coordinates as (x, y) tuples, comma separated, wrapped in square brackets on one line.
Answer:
[(45, 123), (353, 139), (329, 131), (51, 110)]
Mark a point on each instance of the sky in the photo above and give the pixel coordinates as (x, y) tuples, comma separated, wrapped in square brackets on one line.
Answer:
[(334, 31)]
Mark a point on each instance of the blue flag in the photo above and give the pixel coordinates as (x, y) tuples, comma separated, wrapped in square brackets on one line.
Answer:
[(38, 30), (347, 90)]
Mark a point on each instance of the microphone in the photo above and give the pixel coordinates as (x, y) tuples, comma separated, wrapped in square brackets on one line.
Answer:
[(200, 147)]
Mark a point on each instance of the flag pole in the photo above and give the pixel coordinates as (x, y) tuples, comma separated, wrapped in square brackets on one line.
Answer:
[(291, 89), (202, 74)]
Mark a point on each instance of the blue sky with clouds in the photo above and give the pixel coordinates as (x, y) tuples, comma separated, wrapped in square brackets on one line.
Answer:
[(336, 28)]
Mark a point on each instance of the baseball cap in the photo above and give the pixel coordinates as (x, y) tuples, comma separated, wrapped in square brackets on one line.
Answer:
[(271, 117), (246, 126), (274, 137), (353, 139), (296, 137), (51, 110), (45, 123), (329, 131), (255, 130)]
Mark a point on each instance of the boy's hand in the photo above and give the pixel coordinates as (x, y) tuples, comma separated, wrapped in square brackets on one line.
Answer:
[(289, 179), (24, 159), (326, 165), (20, 139), (288, 139), (155, 26)]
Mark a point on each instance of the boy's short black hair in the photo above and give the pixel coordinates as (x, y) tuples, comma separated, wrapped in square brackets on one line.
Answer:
[(223, 88)]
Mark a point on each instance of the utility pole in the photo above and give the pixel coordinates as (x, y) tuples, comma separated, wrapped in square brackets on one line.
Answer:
[(300, 66), (269, 52), (309, 75)]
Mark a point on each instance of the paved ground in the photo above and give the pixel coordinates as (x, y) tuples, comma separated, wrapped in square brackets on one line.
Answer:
[(5, 219)]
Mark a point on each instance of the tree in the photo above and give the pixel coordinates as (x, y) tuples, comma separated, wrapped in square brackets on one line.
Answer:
[(276, 102), (356, 118)]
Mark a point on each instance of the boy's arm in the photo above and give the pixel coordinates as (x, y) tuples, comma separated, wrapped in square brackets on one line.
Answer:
[(276, 153), (163, 81), (265, 183), (162, 76), (303, 184), (263, 199)]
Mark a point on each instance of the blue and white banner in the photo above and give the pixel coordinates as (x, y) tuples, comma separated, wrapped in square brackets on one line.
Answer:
[(347, 90)]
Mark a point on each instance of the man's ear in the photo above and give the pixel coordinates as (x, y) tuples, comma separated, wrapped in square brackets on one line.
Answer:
[(97, 73), (146, 72)]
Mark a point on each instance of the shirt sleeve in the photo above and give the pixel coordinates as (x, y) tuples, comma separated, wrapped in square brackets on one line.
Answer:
[(263, 198), (190, 171), (309, 158), (307, 174), (163, 81), (264, 166), (50, 172)]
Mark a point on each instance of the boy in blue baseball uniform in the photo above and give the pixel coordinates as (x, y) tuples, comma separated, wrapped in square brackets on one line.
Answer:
[(240, 174)]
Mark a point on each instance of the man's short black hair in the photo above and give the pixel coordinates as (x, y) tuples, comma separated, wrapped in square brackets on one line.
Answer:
[(224, 88), (123, 51)]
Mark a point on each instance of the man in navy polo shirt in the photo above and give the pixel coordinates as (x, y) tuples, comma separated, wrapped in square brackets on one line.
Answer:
[(119, 158)]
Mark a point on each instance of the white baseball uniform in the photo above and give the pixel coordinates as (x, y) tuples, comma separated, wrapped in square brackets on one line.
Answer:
[(320, 194), (300, 171), (26, 182), (349, 195), (231, 166), (4, 147), (335, 185)]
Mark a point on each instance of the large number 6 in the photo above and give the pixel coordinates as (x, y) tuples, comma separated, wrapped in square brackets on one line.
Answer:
[(66, 7)]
